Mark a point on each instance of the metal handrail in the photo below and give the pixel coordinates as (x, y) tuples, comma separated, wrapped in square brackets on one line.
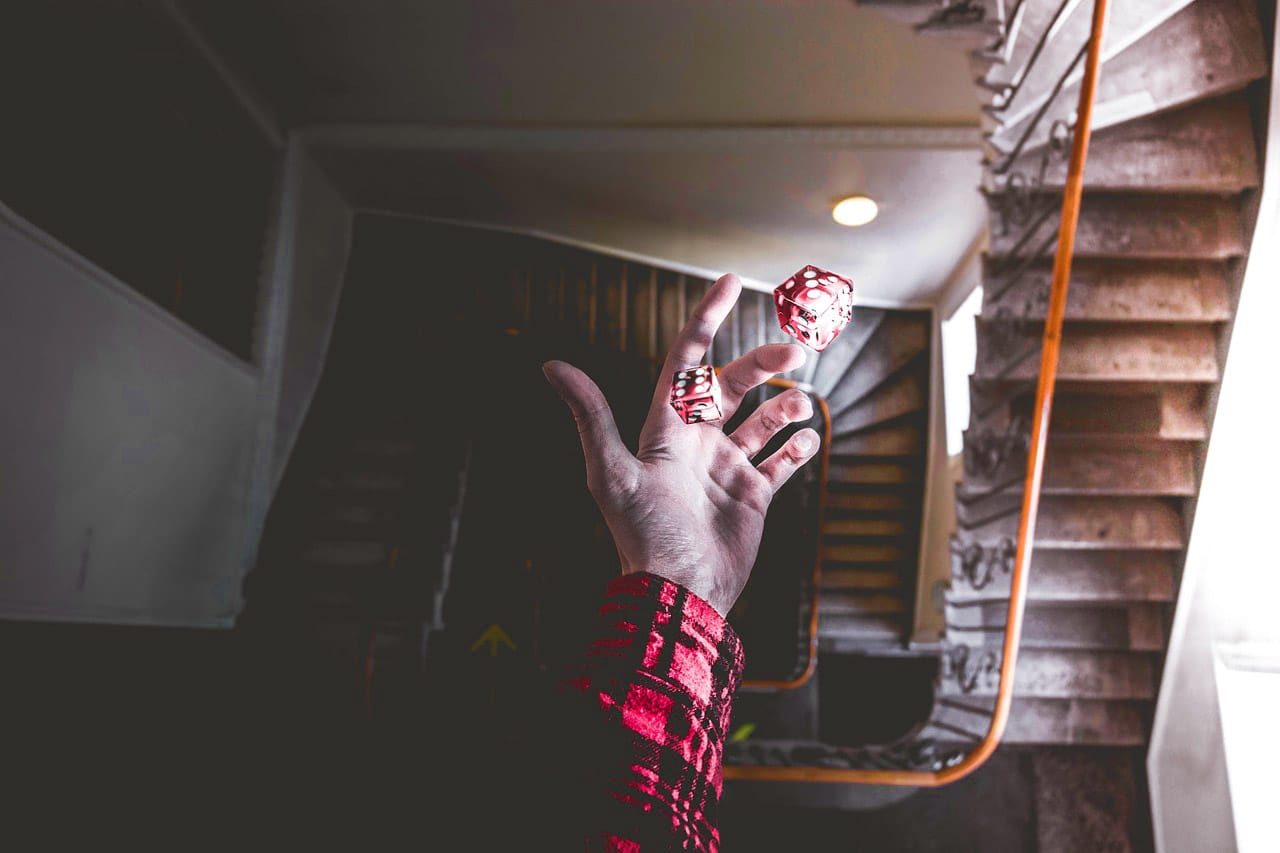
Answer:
[(1025, 137), (1011, 89), (1031, 492)]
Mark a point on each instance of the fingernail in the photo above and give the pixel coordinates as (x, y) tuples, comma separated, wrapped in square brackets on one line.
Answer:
[(548, 372), (805, 441)]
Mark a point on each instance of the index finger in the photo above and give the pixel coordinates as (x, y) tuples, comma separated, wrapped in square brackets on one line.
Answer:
[(688, 350)]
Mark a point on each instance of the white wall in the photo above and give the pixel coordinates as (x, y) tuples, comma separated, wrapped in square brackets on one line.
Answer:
[(1231, 582), (137, 458), (318, 239), (125, 445)]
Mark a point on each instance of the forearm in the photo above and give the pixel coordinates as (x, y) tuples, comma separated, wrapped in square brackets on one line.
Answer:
[(660, 675)]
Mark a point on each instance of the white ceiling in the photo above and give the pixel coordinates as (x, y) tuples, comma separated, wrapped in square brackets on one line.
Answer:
[(751, 202)]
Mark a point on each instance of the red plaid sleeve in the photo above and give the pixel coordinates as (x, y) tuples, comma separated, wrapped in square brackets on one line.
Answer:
[(662, 671)]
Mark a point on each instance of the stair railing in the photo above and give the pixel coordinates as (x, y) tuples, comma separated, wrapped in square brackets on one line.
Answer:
[(1006, 93), (893, 764)]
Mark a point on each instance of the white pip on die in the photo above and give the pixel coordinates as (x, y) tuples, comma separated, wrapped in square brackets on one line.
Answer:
[(695, 395)]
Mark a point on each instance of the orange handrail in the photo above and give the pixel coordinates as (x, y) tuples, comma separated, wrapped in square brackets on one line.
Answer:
[(811, 661), (1031, 493)]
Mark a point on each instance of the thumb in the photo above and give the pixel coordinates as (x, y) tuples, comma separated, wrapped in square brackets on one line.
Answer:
[(608, 460)]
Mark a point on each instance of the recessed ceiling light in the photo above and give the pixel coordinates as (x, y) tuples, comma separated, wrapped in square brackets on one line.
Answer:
[(855, 210)]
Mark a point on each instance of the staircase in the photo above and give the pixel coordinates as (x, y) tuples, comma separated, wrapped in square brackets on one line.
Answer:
[(1169, 187)]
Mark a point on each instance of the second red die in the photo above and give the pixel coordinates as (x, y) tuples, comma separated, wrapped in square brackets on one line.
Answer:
[(814, 305), (695, 394)]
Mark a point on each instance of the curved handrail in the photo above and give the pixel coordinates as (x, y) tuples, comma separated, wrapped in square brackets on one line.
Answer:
[(1031, 494), (811, 662)]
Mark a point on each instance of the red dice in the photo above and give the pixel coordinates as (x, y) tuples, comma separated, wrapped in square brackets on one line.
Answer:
[(695, 395), (814, 305)]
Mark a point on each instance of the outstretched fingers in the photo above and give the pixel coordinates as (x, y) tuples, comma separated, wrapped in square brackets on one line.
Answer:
[(769, 419), (755, 368), (798, 450), (610, 466), (688, 350)]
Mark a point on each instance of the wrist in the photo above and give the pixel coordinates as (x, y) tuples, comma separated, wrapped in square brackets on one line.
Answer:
[(696, 583)]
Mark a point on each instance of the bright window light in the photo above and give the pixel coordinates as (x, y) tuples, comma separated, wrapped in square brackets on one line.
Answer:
[(959, 354)]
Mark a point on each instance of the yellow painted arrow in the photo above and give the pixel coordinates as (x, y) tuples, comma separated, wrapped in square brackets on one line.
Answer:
[(494, 636)]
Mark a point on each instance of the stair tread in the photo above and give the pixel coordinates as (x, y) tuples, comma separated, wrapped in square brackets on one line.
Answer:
[(833, 362), (871, 578), (854, 603), (1134, 627), (1121, 291), (1078, 577), (846, 470), (861, 501), (1173, 411), (1064, 674), (891, 440), (1134, 352), (902, 395), (846, 633), (1205, 147), (1130, 225), (1068, 523), (899, 338), (1083, 722), (851, 553), (832, 527), (1071, 470)]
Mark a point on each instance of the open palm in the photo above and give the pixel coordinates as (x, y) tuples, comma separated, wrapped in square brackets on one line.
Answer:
[(689, 506)]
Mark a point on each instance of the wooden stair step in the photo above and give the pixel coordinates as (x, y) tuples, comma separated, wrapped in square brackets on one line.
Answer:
[(1079, 577), (1120, 291), (846, 633), (849, 470), (857, 552), (1064, 674), (873, 577), (1218, 49), (1167, 469), (1134, 627), (1078, 722), (832, 527), (1069, 523), (845, 602), (1164, 411), (900, 439), (837, 501), (1205, 147), (833, 363), (1152, 226), (901, 337), (1137, 352), (902, 395)]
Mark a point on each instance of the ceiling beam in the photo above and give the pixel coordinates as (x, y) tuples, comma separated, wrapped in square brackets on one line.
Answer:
[(426, 137)]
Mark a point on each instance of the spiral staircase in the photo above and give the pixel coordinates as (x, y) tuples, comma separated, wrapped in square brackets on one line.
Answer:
[(1168, 194)]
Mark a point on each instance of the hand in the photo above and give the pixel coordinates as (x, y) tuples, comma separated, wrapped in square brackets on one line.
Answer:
[(690, 506)]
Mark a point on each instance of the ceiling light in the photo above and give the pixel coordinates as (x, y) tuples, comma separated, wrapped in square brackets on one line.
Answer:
[(855, 210)]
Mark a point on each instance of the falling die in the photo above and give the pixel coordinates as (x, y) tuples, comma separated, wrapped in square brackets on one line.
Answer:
[(814, 306)]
